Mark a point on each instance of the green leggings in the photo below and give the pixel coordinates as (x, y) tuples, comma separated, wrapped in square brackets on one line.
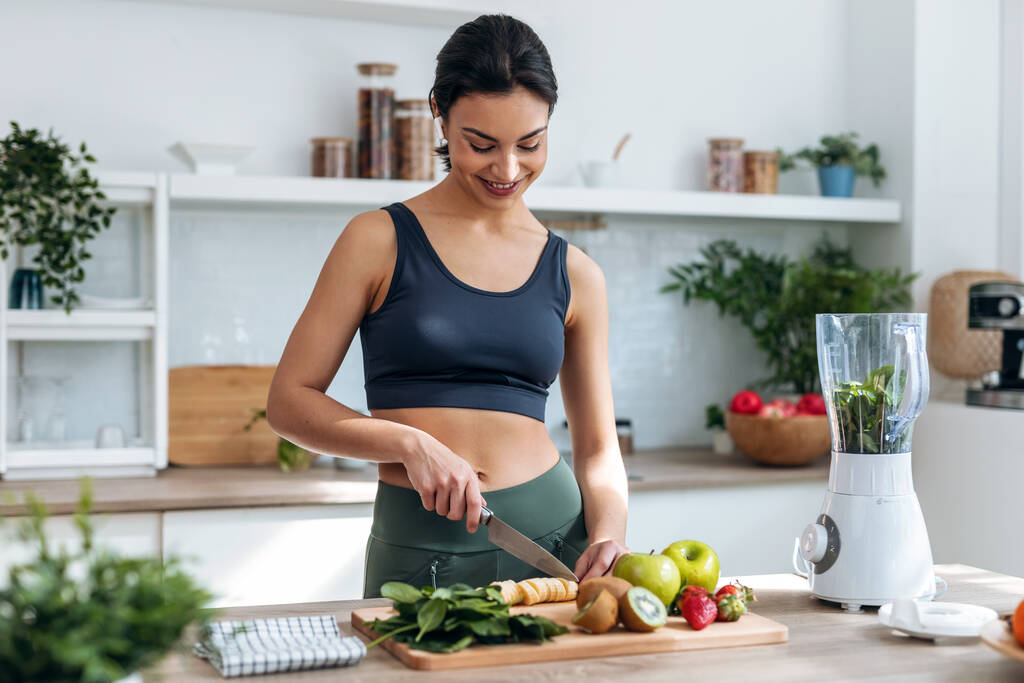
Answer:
[(410, 544)]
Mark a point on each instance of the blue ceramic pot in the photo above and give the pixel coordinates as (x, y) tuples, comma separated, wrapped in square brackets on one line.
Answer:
[(836, 181), (26, 289)]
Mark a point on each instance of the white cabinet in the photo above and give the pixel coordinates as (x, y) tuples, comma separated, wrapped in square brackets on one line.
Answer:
[(128, 534), (751, 528), (274, 555)]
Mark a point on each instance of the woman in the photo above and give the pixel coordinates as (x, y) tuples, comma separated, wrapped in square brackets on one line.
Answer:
[(467, 308)]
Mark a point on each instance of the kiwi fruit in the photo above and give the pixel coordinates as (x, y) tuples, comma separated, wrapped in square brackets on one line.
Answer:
[(641, 610), (589, 589), (599, 615)]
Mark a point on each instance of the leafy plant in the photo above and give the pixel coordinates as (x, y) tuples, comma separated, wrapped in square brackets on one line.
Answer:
[(453, 618), (863, 412), (90, 616), (289, 456), (47, 197), (838, 150), (777, 299), (714, 418)]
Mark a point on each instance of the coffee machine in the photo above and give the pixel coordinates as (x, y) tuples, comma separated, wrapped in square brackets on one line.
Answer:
[(1000, 306)]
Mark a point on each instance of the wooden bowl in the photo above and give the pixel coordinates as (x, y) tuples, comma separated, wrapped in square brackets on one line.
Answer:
[(779, 440)]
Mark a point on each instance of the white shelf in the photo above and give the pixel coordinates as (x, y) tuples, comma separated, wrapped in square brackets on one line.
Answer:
[(444, 13), (80, 325), (195, 189), (127, 187), (76, 453)]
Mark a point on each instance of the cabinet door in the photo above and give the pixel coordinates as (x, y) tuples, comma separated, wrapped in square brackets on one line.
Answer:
[(133, 534), (265, 556), (751, 528)]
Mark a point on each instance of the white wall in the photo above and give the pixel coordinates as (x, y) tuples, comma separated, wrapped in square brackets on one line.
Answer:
[(133, 78)]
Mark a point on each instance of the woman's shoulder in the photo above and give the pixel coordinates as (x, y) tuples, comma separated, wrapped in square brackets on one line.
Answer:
[(586, 284)]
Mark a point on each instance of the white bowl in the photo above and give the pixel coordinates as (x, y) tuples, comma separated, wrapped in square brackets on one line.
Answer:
[(211, 159)]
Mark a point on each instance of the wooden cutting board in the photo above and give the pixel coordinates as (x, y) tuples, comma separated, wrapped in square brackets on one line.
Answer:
[(675, 636), (209, 405)]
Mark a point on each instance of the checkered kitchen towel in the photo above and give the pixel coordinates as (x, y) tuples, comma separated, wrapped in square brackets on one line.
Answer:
[(264, 646)]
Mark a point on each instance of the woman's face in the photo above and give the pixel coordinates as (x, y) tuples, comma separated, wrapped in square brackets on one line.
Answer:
[(497, 140)]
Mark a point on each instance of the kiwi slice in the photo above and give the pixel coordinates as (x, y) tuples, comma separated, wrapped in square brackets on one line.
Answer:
[(641, 610), (599, 615), (589, 589)]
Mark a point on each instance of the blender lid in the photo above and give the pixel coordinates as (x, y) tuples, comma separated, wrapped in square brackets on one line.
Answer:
[(935, 619)]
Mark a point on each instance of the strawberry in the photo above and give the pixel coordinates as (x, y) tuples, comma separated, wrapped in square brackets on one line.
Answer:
[(736, 589), (811, 404), (746, 402), (730, 608), (699, 611), (693, 590)]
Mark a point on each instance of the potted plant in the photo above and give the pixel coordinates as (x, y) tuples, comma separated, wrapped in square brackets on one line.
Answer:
[(90, 615), (714, 421), (777, 299), (49, 199), (839, 160), (289, 456)]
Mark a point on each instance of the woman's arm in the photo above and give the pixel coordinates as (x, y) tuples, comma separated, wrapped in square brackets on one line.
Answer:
[(587, 395), (298, 409)]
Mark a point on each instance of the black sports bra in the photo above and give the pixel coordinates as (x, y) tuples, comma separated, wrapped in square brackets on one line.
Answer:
[(437, 341)]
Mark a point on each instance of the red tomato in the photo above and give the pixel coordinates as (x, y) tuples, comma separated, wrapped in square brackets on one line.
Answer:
[(780, 407), (746, 402), (811, 404)]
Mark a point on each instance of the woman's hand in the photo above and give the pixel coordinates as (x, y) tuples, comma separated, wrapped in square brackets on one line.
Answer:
[(599, 559), (446, 483)]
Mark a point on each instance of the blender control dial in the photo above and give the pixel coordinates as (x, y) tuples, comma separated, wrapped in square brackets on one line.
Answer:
[(819, 544)]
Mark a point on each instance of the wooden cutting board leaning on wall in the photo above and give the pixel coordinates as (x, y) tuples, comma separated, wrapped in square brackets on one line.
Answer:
[(209, 406)]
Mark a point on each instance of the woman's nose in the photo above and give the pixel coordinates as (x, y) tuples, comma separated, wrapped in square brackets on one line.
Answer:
[(508, 168)]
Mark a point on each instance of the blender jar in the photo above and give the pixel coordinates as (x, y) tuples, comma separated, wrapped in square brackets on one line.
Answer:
[(874, 376)]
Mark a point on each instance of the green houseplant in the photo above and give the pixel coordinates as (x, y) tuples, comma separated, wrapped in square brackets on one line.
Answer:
[(777, 299), (91, 615), (289, 456), (49, 199), (839, 160)]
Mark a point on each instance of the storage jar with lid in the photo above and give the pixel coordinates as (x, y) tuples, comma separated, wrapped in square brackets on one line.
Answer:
[(761, 172), (376, 109), (414, 140), (725, 165), (332, 157)]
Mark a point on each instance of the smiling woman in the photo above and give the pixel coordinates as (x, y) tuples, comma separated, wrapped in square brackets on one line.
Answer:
[(468, 308)]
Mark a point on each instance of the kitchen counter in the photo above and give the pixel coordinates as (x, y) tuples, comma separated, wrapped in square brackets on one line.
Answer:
[(188, 488), (825, 644)]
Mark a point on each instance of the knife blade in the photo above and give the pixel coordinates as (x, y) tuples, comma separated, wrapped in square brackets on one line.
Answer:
[(510, 540)]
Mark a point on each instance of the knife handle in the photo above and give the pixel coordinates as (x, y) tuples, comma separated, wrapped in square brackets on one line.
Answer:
[(485, 516)]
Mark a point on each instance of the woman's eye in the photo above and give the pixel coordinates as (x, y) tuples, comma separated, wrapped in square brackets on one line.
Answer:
[(530, 149), (481, 149)]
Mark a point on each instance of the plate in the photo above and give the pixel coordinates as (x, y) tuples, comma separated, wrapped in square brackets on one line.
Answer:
[(937, 619), (996, 634), (211, 159)]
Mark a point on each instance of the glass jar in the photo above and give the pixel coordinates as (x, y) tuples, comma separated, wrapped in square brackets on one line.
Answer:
[(414, 140), (376, 109), (725, 165), (332, 157), (761, 172), (624, 431)]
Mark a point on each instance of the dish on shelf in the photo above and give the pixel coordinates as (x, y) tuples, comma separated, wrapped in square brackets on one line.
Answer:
[(115, 303), (996, 634), (211, 159)]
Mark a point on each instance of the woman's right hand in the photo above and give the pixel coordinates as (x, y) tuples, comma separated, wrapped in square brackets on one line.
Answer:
[(446, 483)]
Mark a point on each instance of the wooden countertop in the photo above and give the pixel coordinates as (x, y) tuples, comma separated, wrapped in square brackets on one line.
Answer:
[(189, 488), (825, 644)]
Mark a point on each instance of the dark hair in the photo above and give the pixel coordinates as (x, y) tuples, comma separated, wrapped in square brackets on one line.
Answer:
[(494, 53)]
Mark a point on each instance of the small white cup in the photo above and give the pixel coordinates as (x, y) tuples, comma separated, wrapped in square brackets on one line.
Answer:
[(600, 173), (110, 436)]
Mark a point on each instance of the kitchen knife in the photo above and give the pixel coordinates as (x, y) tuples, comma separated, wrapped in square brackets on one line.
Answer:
[(513, 542)]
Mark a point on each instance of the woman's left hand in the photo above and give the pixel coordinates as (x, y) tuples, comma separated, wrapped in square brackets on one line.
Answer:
[(599, 558)]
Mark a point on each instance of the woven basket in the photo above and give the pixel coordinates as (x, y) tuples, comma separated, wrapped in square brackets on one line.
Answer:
[(953, 349), (779, 440)]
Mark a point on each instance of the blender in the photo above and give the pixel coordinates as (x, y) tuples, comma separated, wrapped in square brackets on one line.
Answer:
[(869, 545)]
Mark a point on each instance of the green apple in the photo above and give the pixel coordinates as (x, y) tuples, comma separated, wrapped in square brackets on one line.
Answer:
[(697, 563), (656, 573)]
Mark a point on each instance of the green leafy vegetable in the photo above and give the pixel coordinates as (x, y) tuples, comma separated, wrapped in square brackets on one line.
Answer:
[(864, 411), (450, 619)]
